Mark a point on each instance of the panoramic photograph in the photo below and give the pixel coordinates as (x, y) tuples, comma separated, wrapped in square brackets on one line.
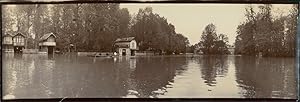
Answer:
[(149, 50)]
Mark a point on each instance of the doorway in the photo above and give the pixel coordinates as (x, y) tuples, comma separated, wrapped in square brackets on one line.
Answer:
[(50, 49), (132, 52), (18, 49), (123, 52)]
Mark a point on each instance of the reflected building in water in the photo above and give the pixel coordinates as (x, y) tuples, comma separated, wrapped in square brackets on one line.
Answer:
[(151, 77)]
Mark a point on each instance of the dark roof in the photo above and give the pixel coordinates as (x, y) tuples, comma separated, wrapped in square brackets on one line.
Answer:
[(128, 39), (46, 36), (19, 34), (122, 45)]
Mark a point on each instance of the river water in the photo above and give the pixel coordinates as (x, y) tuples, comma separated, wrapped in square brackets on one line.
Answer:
[(68, 76)]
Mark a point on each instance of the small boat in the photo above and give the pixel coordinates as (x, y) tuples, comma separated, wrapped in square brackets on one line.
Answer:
[(99, 55)]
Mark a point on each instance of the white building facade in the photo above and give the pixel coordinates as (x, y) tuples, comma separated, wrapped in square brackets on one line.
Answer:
[(126, 46)]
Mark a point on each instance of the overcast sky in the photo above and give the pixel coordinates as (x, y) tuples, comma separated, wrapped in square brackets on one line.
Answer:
[(190, 19)]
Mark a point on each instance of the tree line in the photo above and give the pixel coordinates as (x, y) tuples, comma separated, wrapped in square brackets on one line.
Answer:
[(261, 34), (95, 27), (92, 27), (265, 34)]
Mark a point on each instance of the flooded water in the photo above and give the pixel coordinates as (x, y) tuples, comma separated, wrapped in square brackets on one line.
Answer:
[(65, 76)]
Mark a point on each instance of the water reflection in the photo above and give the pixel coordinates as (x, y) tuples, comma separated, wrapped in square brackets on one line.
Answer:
[(58, 76), (213, 66), (153, 74), (266, 77), (50, 56), (10, 75)]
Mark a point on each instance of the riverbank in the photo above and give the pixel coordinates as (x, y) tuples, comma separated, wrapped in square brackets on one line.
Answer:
[(142, 53)]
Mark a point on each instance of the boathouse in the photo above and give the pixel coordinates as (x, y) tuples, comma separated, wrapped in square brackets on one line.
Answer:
[(7, 43), (47, 43), (231, 50), (18, 42), (125, 46)]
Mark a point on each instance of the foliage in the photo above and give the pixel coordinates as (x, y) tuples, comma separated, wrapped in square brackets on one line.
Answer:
[(153, 32), (261, 33), (92, 27), (213, 43)]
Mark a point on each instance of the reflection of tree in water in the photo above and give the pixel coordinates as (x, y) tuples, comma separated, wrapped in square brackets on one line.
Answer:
[(180, 68), (40, 73), (212, 67), (87, 78), (266, 77), (59, 77), (244, 67), (154, 74), (22, 68), (21, 64), (84, 77), (9, 75)]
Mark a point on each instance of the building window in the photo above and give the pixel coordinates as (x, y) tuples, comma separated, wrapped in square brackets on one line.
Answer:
[(132, 45), (15, 40), (18, 40)]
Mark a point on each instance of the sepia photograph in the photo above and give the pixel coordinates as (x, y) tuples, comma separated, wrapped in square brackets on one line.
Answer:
[(149, 50)]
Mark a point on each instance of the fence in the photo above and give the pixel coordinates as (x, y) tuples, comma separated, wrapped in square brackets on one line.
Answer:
[(143, 53)]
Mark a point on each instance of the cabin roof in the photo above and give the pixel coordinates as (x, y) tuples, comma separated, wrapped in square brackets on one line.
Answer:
[(7, 35), (19, 34), (122, 45), (46, 36), (128, 39)]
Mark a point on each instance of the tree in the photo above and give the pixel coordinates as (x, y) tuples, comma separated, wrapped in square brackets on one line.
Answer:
[(92, 27), (221, 45), (19, 19), (291, 31), (154, 33), (212, 43), (264, 34), (208, 37), (7, 20)]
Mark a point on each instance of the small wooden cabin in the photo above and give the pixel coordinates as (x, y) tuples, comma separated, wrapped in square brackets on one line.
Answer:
[(18, 42), (47, 43), (231, 49), (126, 46), (7, 43)]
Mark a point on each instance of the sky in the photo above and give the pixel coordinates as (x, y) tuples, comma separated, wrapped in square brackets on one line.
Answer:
[(191, 19)]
